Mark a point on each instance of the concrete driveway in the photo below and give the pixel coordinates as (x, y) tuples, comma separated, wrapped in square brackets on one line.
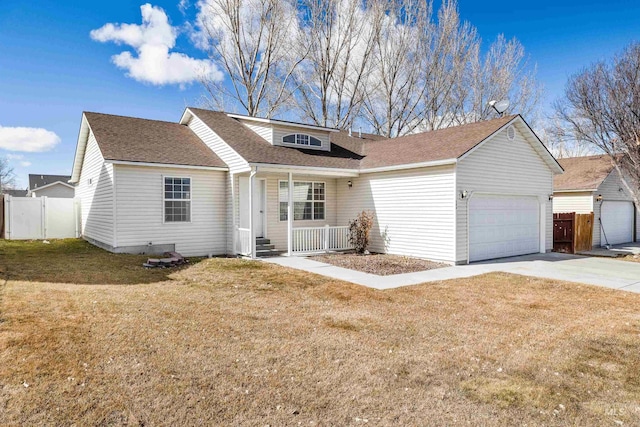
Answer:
[(606, 272)]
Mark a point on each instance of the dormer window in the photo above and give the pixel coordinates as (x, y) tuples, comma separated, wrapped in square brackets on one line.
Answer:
[(301, 139)]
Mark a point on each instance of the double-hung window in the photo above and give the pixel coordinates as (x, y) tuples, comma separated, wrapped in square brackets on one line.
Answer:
[(177, 199), (308, 200)]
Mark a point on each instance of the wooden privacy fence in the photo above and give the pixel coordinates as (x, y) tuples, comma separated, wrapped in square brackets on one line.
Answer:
[(572, 232)]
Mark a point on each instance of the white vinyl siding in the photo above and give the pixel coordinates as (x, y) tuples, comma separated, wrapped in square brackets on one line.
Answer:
[(413, 210), (56, 190), (578, 202), (95, 191), (610, 190), (265, 130), (503, 167), (139, 192), (280, 131), (228, 155)]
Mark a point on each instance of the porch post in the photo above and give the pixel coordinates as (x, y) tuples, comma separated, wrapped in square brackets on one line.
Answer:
[(234, 226), (290, 217), (252, 185)]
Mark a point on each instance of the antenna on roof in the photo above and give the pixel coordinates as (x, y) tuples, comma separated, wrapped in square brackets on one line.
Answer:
[(500, 106), (349, 130)]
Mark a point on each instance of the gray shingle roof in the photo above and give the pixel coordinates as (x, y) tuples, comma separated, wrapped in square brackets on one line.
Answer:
[(149, 141), (353, 152), (582, 173), (38, 180)]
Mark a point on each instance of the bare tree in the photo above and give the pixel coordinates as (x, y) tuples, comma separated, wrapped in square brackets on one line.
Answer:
[(452, 51), (393, 92), (503, 74), (250, 40), (601, 108), (340, 36), (551, 132), (7, 176)]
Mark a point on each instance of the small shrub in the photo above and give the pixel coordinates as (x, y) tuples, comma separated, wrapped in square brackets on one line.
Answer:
[(359, 230)]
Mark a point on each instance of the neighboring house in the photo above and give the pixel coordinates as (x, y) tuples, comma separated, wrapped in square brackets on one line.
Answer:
[(15, 193), (218, 183), (50, 186), (592, 184)]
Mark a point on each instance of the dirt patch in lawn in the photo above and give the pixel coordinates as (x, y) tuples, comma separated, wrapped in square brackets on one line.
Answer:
[(380, 264), (236, 342), (630, 258)]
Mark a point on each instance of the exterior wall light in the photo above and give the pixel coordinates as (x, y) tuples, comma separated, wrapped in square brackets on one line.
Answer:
[(464, 194), (550, 197), (599, 198), (349, 184)]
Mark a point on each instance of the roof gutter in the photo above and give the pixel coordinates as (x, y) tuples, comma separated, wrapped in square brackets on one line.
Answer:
[(165, 165), (268, 167), (586, 190), (411, 166)]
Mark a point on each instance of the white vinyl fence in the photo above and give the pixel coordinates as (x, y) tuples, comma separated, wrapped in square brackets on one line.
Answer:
[(28, 218)]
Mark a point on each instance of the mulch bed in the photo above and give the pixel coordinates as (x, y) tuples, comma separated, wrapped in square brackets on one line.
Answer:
[(380, 264)]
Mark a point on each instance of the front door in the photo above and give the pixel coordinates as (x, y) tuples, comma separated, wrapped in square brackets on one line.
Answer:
[(259, 204), (258, 207)]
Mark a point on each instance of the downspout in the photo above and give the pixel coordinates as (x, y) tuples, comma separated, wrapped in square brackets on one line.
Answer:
[(252, 180), (290, 216)]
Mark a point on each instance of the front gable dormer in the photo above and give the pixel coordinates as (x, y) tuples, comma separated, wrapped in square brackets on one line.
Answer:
[(286, 134)]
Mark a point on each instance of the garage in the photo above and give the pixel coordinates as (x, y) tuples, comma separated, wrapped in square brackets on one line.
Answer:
[(617, 220), (503, 226)]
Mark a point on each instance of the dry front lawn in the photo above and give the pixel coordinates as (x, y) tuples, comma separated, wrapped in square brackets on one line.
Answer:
[(380, 264), (235, 342)]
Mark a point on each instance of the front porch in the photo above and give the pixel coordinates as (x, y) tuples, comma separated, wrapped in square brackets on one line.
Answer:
[(280, 212)]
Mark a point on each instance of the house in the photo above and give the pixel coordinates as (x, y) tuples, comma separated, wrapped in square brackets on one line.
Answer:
[(15, 192), (50, 186), (592, 184), (218, 183)]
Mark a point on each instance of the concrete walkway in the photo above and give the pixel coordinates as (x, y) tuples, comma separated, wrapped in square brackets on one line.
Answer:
[(606, 272)]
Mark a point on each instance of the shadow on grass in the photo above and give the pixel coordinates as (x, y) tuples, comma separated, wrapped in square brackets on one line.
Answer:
[(75, 261)]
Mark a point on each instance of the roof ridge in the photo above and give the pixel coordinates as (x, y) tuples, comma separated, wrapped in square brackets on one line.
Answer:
[(132, 117)]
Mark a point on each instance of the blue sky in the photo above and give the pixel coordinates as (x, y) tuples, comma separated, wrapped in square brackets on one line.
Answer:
[(51, 70)]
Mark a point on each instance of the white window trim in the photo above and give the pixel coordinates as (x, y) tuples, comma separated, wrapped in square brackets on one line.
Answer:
[(190, 199), (296, 144), (313, 202)]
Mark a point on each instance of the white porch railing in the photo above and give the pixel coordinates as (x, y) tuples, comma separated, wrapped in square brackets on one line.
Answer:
[(320, 239), (243, 241)]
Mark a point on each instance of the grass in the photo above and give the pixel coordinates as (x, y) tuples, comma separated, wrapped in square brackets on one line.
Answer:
[(235, 342), (74, 261), (380, 264)]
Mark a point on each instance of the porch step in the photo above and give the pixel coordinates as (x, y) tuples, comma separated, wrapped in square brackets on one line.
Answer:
[(264, 248), (268, 253)]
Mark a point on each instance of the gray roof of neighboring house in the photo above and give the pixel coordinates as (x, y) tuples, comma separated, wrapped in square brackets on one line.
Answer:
[(149, 141), (15, 193), (582, 173), (38, 181)]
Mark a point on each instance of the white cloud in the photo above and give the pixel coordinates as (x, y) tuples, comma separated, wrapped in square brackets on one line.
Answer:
[(25, 164), (152, 40), (30, 140), (14, 156)]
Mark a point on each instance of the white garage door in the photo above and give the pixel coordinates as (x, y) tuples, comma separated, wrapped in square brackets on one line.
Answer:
[(503, 226), (617, 222)]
